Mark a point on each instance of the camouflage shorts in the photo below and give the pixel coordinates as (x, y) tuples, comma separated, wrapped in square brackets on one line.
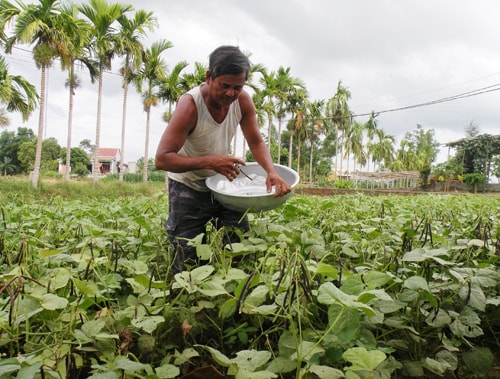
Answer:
[(189, 213)]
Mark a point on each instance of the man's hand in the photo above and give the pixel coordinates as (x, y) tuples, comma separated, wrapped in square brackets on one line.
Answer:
[(226, 165), (281, 187)]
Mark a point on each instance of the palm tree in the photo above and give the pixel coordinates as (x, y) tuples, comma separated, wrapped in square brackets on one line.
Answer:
[(296, 104), (41, 25), (286, 100), (371, 127), (152, 73), (128, 44), (298, 131), (79, 32), (354, 145), (192, 79), (6, 166), (266, 97), (4, 120), (16, 93), (102, 17), (314, 128), (338, 111), (383, 149), (172, 87)]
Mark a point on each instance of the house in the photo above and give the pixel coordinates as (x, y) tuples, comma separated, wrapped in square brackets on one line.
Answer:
[(109, 160)]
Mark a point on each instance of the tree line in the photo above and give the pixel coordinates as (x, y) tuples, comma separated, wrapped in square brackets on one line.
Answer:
[(312, 136)]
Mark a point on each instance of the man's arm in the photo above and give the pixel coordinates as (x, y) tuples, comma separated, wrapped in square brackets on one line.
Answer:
[(182, 123)]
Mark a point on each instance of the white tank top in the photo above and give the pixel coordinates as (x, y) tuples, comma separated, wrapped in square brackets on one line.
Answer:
[(208, 137)]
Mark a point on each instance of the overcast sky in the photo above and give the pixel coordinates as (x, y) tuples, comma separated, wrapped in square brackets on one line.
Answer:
[(390, 55)]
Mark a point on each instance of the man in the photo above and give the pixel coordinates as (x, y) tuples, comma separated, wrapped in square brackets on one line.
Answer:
[(196, 145)]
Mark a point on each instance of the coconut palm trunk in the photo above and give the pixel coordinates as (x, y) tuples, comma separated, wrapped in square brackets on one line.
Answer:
[(146, 147), (124, 124), (95, 168), (70, 126), (38, 153)]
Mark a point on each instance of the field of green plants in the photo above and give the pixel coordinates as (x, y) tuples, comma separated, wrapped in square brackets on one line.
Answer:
[(348, 286)]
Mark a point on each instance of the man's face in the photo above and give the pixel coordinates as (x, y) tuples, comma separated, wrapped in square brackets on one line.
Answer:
[(225, 89)]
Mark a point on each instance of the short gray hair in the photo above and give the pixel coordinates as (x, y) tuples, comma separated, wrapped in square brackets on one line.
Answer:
[(228, 60)]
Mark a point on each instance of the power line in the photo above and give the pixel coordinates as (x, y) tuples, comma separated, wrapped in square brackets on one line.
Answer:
[(475, 92)]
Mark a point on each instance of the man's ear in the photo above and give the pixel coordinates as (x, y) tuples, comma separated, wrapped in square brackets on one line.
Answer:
[(207, 76)]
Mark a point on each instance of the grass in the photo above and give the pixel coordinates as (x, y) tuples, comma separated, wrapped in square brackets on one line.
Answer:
[(19, 186)]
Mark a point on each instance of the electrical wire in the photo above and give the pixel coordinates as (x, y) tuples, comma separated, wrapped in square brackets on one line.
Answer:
[(475, 92)]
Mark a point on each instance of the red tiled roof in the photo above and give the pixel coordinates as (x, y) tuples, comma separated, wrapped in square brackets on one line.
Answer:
[(107, 152)]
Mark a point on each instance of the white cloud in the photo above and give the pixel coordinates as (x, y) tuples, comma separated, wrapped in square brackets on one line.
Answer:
[(389, 54)]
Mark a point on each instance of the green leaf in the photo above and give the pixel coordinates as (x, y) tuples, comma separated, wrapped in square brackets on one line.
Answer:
[(9, 368), (282, 365), (49, 252), (438, 367), (251, 359), (29, 372), (189, 280), (375, 279), (265, 309), (145, 281), (148, 323), (167, 371), (329, 294), (85, 287), (346, 322), (212, 288), (217, 356), (60, 279), (420, 255), (325, 372), (353, 285), (467, 324), (479, 360), (93, 327), (129, 366), (246, 374), (146, 343), (362, 359), (139, 267), (52, 302), (352, 375), (104, 375), (185, 356), (416, 255), (307, 350), (389, 306), (204, 252), (199, 274), (257, 296), (327, 270), (439, 320), (416, 283), (287, 344), (476, 298), (228, 308)]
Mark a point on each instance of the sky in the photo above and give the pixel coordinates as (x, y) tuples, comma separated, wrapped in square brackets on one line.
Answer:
[(393, 56)]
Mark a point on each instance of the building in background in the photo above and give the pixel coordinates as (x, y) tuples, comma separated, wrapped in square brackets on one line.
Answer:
[(108, 160)]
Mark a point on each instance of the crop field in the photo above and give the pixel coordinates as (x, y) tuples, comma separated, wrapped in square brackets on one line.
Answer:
[(329, 287)]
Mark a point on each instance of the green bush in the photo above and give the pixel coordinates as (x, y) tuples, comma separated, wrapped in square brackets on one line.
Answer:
[(344, 184)]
